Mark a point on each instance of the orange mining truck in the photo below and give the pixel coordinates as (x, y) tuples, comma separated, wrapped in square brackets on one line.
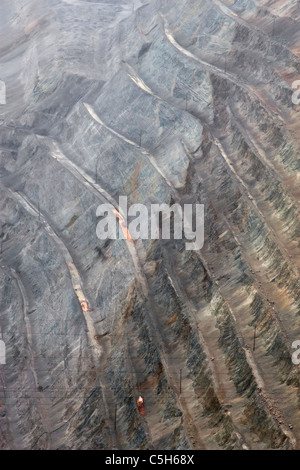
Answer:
[(85, 306), (141, 405)]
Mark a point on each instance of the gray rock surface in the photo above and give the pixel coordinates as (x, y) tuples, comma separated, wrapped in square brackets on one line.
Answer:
[(161, 101)]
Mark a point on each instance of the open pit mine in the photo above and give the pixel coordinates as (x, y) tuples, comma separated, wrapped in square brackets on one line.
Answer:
[(130, 343)]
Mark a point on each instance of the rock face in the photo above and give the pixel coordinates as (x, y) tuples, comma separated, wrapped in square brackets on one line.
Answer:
[(160, 101)]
